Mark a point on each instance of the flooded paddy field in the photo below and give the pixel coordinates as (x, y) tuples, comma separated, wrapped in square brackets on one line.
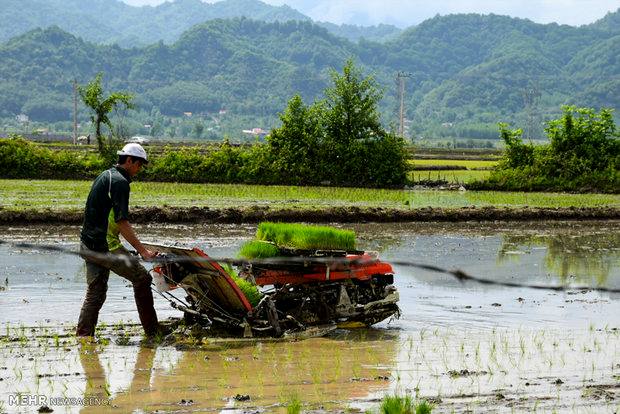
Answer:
[(464, 347)]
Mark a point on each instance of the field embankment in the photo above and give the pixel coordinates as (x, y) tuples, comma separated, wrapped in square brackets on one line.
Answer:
[(50, 201), (332, 214)]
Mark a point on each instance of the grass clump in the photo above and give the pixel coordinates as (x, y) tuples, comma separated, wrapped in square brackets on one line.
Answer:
[(293, 406), (395, 404), (250, 290), (301, 236), (257, 249)]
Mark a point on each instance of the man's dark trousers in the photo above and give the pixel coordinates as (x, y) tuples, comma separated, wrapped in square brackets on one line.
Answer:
[(98, 266)]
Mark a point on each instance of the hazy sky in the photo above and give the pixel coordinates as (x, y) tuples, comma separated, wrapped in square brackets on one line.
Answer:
[(408, 12)]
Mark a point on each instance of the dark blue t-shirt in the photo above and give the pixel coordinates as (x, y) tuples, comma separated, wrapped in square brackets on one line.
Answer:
[(110, 191)]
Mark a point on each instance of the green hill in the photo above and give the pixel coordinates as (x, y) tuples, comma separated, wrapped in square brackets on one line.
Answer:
[(467, 71), (112, 21)]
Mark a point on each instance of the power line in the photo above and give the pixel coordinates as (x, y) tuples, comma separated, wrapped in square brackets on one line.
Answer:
[(458, 274)]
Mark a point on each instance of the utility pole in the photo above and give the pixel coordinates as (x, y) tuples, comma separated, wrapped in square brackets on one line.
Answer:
[(75, 111), (401, 96), (531, 99)]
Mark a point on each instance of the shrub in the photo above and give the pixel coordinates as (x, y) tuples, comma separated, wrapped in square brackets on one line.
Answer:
[(22, 159), (583, 155), (339, 140)]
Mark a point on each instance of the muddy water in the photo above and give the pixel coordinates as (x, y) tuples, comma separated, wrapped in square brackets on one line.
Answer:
[(464, 346)]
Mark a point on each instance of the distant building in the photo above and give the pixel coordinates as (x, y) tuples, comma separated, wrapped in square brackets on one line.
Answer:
[(83, 139), (187, 114), (259, 132), (22, 118), (138, 140)]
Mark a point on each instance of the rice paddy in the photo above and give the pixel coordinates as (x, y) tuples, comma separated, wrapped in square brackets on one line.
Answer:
[(458, 347), (450, 370), (70, 195), (469, 164), (449, 176)]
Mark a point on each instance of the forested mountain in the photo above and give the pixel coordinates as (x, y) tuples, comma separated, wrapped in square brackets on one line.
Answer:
[(112, 21), (467, 71), (378, 33), (609, 23)]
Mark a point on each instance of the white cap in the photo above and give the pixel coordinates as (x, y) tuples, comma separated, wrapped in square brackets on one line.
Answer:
[(134, 150)]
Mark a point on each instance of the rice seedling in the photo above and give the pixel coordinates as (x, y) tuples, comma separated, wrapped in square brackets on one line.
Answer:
[(294, 405), (69, 195), (106, 389), (257, 249), (449, 176), (250, 290), (300, 236), (395, 404)]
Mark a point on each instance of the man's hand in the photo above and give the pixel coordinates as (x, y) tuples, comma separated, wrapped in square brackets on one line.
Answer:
[(148, 254), (128, 233)]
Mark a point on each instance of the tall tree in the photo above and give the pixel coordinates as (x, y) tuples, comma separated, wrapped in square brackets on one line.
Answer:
[(92, 96), (352, 104), (296, 143), (339, 140)]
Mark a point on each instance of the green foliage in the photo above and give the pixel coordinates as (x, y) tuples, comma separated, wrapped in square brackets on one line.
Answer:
[(295, 146), (257, 249), (22, 159), (249, 290), (92, 96), (395, 404), (352, 107), (517, 153), (301, 236), (339, 140), (587, 139), (294, 405), (583, 155)]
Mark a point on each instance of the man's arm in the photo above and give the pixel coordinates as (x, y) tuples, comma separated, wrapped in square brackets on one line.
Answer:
[(129, 234)]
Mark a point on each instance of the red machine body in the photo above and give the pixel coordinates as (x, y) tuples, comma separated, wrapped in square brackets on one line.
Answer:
[(352, 266)]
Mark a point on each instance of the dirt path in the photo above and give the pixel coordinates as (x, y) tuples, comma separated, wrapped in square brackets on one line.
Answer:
[(333, 214)]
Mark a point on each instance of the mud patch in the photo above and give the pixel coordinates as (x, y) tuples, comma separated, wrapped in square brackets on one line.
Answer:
[(255, 214)]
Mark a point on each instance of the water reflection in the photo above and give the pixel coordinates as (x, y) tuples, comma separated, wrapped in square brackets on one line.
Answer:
[(321, 372), (584, 258)]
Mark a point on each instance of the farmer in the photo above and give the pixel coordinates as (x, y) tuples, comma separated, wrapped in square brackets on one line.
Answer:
[(109, 200)]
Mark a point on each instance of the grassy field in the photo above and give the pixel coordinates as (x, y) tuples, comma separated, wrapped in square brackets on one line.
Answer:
[(61, 195)]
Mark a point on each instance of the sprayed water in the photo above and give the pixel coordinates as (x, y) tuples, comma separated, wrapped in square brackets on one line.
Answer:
[(464, 346)]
